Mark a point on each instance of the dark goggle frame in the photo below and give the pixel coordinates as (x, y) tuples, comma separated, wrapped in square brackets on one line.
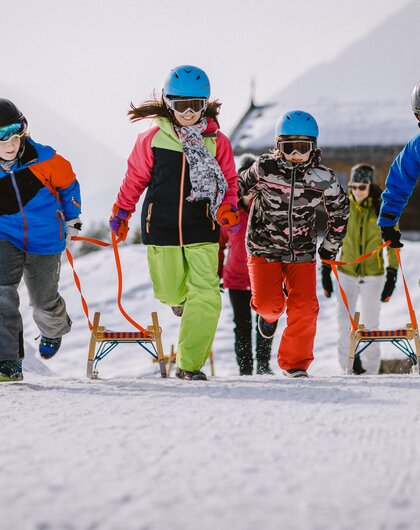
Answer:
[(14, 130), (360, 187), (184, 105), (288, 147)]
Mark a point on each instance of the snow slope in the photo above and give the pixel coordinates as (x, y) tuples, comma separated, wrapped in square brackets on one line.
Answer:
[(133, 451)]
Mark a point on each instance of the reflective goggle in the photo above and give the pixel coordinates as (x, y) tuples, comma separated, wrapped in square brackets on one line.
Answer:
[(182, 106), (288, 147), (361, 187), (14, 130)]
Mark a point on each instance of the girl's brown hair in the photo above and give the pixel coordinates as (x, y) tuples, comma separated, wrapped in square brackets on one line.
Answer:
[(155, 106)]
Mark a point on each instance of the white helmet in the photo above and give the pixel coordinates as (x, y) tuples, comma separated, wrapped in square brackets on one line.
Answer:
[(415, 99)]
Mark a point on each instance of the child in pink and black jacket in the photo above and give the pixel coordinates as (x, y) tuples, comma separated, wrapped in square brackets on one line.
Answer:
[(186, 166)]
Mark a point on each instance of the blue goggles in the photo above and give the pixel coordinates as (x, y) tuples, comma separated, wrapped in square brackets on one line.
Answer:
[(7, 132)]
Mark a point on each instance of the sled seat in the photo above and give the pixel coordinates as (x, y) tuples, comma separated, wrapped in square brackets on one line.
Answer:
[(384, 333), (362, 338), (122, 335), (108, 340)]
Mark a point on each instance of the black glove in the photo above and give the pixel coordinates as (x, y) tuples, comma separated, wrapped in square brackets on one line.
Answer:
[(326, 280), (221, 287), (393, 234), (391, 280), (326, 254)]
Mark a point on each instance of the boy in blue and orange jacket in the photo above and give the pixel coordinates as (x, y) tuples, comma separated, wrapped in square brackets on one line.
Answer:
[(400, 182), (39, 212)]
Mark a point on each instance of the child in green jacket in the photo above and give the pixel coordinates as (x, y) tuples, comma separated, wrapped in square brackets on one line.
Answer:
[(365, 280)]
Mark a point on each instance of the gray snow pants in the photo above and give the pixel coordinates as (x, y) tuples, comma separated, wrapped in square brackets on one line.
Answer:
[(41, 275)]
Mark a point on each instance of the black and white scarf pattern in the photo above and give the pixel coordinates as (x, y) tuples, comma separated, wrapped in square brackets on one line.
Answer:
[(207, 179)]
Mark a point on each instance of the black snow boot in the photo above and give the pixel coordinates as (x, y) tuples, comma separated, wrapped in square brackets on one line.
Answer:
[(190, 376), (357, 366), (264, 369)]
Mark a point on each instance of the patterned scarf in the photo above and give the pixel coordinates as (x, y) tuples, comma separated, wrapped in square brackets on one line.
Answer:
[(207, 179)]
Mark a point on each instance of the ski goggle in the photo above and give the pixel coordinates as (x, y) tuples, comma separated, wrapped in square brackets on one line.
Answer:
[(289, 147), (182, 106), (14, 130), (360, 187)]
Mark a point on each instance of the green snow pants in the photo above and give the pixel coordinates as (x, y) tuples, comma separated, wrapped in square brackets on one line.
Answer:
[(188, 276)]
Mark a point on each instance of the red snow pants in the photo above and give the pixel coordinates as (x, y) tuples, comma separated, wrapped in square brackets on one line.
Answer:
[(269, 301)]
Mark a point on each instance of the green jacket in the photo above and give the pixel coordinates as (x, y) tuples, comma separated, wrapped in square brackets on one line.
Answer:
[(364, 235)]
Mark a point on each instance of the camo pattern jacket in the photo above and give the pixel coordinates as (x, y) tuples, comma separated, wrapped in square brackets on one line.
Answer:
[(281, 225)]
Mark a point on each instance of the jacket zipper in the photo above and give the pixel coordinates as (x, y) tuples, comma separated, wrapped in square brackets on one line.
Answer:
[(149, 217), (181, 201), (290, 215), (60, 219), (75, 203), (25, 221)]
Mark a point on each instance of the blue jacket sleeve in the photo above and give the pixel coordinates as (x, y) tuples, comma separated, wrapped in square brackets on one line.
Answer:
[(400, 183), (70, 200)]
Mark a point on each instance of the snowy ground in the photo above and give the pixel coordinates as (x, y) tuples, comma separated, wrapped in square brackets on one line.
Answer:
[(133, 451)]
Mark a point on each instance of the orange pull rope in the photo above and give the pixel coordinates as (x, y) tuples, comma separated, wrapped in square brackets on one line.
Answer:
[(79, 287), (334, 265), (407, 294), (114, 244), (120, 286), (344, 297)]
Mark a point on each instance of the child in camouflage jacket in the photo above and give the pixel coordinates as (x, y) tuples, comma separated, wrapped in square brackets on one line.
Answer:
[(288, 185)]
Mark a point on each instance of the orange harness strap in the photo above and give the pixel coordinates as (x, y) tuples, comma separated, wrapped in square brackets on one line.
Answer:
[(334, 265), (114, 244), (407, 293)]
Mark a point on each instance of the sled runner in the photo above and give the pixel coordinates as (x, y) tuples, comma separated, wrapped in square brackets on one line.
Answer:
[(108, 340)]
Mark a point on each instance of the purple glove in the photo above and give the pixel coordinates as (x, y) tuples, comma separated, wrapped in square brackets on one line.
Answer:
[(118, 222)]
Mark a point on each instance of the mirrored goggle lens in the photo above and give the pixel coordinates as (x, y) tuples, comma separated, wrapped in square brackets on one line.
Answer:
[(14, 129), (289, 147), (184, 105)]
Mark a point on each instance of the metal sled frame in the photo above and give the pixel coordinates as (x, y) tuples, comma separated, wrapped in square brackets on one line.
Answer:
[(151, 341), (400, 338)]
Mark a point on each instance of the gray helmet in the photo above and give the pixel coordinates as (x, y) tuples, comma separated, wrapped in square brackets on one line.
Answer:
[(415, 99)]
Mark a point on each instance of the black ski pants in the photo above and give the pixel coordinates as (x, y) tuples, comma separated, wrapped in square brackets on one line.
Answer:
[(242, 317)]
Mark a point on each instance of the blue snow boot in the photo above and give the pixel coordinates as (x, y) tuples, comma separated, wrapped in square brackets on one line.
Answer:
[(49, 347), (11, 371)]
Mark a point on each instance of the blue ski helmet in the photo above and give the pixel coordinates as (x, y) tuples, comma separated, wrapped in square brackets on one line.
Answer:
[(187, 81), (297, 123)]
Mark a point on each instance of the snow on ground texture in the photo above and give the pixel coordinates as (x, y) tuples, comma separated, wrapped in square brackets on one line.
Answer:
[(133, 451)]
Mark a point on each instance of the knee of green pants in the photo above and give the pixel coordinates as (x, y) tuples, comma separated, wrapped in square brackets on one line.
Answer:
[(168, 272), (198, 328)]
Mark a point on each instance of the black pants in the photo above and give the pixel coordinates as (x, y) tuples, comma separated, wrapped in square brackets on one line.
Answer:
[(242, 318)]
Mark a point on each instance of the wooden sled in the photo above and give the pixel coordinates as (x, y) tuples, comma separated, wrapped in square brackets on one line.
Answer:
[(400, 338), (170, 360), (108, 340)]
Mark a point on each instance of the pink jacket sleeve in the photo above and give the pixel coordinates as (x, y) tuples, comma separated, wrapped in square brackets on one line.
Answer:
[(139, 171), (224, 156)]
